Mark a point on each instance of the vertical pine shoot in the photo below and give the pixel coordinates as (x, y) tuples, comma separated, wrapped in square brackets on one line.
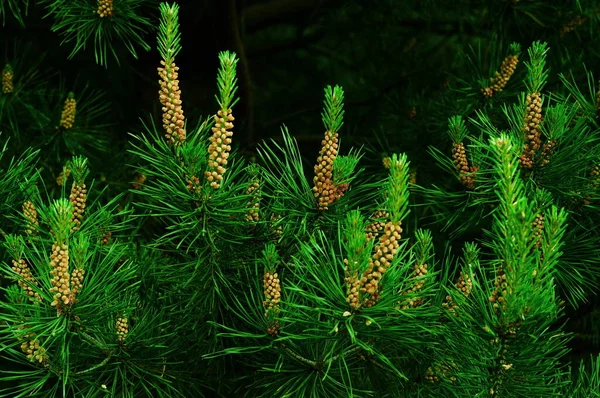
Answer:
[(396, 192), (464, 282), (513, 219), (423, 250), (333, 112), (357, 252), (61, 214), (458, 133), (170, 94), (537, 73), (271, 287), (325, 191), (30, 212), (501, 78), (254, 193), (397, 189), (25, 279), (220, 141), (227, 81), (78, 196), (80, 257)]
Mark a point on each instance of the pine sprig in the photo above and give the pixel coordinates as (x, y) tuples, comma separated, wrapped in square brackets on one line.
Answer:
[(333, 112), (79, 168), (82, 23), (227, 81), (60, 219), (537, 73), (169, 35), (457, 129), (397, 188)]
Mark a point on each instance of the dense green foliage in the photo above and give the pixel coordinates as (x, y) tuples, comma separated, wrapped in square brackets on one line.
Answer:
[(444, 243)]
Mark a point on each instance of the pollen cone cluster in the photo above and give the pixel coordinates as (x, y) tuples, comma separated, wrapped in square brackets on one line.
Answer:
[(325, 191), (220, 145), (438, 372), (254, 203), (33, 350), (105, 8), (464, 284), (105, 239), (61, 279), (376, 228), (122, 329), (419, 273), (497, 297), (500, 79), (276, 227), (67, 117), (27, 279), (272, 290), (170, 99), (77, 198), (538, 230), (412, 177), (76, 283), (193, 184), (466, 173), (547, 152), (31, 216), (352, 287), (62, 177), (531, 129), (139, 180), (381, 261), (387, 162), (7, 80), (573, 24)]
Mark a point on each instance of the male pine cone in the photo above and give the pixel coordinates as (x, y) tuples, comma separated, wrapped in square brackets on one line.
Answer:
[(531, 130), (219, 148), (499, 81), (324, 190), (170, 99)]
